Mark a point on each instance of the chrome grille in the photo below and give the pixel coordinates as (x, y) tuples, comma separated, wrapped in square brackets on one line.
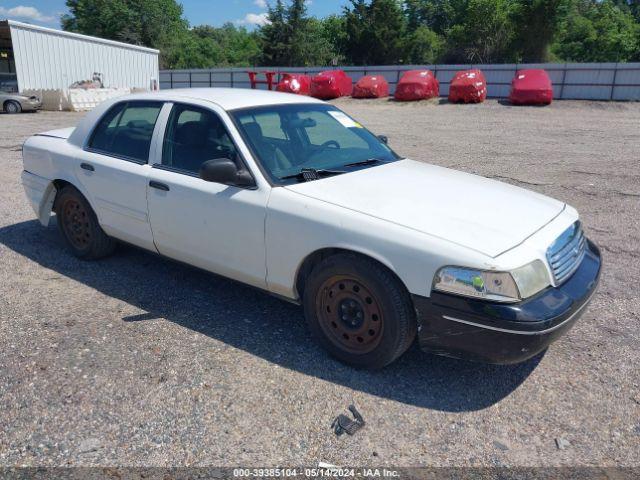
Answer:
[(567, 252)]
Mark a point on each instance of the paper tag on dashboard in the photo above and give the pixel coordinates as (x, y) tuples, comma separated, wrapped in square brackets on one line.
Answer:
[(344, 120)]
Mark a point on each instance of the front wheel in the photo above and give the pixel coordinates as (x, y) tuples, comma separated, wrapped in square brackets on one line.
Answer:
[(12, 107), (359, 311), (79, 226)]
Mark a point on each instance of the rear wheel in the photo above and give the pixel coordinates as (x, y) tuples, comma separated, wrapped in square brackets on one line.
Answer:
[(359, 311), (11, 106), (79, 226)]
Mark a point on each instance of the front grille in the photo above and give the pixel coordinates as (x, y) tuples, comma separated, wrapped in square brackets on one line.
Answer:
[(567, 252)]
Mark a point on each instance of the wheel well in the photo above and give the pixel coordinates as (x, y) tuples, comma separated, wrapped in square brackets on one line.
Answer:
[(59, 184), (316, 257), (7, 102)]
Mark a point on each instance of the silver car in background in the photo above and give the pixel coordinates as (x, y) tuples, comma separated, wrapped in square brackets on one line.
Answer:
[(16, 103)]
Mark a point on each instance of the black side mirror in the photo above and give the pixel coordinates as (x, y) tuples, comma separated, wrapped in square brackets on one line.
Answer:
[(225, 171), (383, 138)]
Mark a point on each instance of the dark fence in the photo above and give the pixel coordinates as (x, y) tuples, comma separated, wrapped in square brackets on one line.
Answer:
[(586, 81)]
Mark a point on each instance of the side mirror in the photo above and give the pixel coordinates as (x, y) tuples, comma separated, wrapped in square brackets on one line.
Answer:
[(383, 138), (223, 170)]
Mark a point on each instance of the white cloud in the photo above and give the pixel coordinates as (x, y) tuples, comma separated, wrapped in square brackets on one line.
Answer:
[(26, 13), (259, 19), (260, 3)]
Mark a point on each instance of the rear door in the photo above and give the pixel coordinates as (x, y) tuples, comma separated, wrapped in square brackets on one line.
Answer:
[(114, 170)]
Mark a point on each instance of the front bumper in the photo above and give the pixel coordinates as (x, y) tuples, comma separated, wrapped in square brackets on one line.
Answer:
[(503, 333), (31, 106)]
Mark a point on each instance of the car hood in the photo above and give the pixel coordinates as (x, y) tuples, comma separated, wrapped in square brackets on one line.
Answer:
[(484, 215)]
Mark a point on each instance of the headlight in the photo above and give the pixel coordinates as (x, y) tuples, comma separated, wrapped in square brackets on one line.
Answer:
[(511, 286)]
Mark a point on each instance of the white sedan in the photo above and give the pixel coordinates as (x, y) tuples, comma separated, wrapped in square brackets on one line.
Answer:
[(293, 196)]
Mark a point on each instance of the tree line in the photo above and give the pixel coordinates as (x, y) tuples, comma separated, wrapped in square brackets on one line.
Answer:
[(376, 32)]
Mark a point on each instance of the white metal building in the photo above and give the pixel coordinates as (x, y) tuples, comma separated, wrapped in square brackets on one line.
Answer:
[(35, 58)]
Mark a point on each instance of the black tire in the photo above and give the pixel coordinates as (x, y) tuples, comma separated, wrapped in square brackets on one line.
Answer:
[(79, 226), (387, 326), (11, 106)]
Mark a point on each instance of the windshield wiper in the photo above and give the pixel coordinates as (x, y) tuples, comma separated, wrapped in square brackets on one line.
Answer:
[(370, 161), (310, 174)]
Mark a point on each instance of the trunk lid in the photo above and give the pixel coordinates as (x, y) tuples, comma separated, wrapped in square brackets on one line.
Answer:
[(63, 133)]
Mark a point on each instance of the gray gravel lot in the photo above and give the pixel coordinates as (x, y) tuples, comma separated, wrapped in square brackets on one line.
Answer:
[(137, 360)]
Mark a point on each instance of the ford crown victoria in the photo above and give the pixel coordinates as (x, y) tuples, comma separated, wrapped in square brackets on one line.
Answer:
[(293, 196)]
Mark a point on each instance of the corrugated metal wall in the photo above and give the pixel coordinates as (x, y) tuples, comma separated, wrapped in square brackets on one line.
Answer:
[(586, 81), (51, 59)]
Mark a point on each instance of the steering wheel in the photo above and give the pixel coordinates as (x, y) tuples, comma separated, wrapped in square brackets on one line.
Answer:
[(326, 145), (329, 143)]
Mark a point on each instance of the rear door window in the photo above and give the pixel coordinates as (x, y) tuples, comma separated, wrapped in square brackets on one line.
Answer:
[(126, 131)]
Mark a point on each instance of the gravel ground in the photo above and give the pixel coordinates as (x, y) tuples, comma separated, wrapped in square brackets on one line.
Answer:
[(139, 361)]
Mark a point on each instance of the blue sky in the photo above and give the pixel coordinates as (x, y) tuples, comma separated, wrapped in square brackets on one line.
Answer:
[(214, 12)]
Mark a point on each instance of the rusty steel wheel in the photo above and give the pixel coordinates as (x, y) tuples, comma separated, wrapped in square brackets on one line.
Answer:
[(75, 222), (358, 310), (349, 314), (79, 226)]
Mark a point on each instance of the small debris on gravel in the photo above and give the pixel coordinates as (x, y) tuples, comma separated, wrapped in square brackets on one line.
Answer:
[(562, 443), (500, 445), (89, 445), (342, 423)]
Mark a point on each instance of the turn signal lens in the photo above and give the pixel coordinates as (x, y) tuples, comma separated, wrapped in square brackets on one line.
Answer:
[(531, 278)]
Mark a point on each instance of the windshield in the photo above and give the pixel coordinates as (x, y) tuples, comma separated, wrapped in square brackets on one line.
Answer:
[(287, 139)]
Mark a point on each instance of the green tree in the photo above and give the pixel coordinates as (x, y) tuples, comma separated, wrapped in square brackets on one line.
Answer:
[(191, 51), (237, 45), (537, 23), (152, 23), (320, 46), (437, 15), (299, 32), (596, 31), (111, 19), (374, 31), (292, 38), (633, 6), (422, 46), (334, 33), (356, 26), (275, 37), (485, 35)]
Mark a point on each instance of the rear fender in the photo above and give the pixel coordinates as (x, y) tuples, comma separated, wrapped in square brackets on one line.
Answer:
[(41, 193)]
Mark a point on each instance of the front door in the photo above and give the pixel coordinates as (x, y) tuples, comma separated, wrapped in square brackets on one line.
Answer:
[(213, 226)]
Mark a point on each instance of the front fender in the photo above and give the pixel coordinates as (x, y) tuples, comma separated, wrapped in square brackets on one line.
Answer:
[(297, 226), (342, 247)]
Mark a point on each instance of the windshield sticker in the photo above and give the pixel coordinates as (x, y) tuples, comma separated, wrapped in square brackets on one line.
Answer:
[(344, 120)]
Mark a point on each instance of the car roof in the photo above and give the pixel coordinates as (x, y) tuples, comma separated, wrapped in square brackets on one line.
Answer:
[(226, 98), (229, 98)]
